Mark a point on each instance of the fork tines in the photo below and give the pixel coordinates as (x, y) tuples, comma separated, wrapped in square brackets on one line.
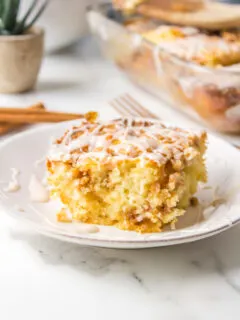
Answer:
[(126, 105)]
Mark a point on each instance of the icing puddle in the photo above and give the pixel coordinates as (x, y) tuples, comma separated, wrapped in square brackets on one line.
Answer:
[(13, 184), (38, 192)]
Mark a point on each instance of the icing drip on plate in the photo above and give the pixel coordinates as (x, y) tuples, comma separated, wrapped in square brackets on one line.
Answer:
[(38, 192), (13, 184)]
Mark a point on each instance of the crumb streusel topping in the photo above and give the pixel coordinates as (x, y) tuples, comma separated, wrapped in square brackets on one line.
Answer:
[(125, 139)]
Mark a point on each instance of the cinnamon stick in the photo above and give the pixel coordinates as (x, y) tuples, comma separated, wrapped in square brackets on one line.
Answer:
[(6, 127), (16, 115)]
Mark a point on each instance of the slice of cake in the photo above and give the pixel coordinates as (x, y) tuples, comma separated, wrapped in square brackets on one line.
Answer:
[(133, 174)]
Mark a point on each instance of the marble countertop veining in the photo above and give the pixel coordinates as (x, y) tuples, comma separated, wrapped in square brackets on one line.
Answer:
[(42, 278)]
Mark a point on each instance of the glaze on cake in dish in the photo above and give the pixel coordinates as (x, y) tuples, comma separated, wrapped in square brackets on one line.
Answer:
[(197, 70)]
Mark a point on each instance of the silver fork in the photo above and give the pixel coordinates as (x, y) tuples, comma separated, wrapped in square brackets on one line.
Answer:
[(126, 105)]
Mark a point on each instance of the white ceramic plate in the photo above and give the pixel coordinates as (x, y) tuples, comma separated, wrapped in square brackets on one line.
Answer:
[(222, 191)]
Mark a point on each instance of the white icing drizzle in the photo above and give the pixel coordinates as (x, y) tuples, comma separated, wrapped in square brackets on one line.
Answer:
[(189, 83), (136, 40), (198, 46), (233, 113), (44, 180), (121, 139), (18, 208), (187, 31), (38, 192), (103, 32), (193, 44), (38, 162), (13, 184), (157, 60), (86, 228)]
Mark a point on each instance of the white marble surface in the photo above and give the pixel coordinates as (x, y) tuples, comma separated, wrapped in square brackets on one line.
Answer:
[(41, 278)]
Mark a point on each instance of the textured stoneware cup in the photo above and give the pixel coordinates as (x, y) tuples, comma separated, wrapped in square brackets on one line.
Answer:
[(20, 60)]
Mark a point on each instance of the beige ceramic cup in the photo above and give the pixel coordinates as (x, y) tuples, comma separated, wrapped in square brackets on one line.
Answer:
[(20, 60)]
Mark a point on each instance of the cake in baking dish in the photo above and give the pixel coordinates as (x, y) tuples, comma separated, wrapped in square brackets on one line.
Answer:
[(128, 6), (196, 69), (133, 174), (174, 5), (192, 45)]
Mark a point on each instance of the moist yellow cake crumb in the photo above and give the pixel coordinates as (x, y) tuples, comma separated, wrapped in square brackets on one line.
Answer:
[(62, 216), (132, 174)]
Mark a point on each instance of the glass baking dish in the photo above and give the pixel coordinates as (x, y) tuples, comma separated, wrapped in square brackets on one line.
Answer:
[(209, 94)]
